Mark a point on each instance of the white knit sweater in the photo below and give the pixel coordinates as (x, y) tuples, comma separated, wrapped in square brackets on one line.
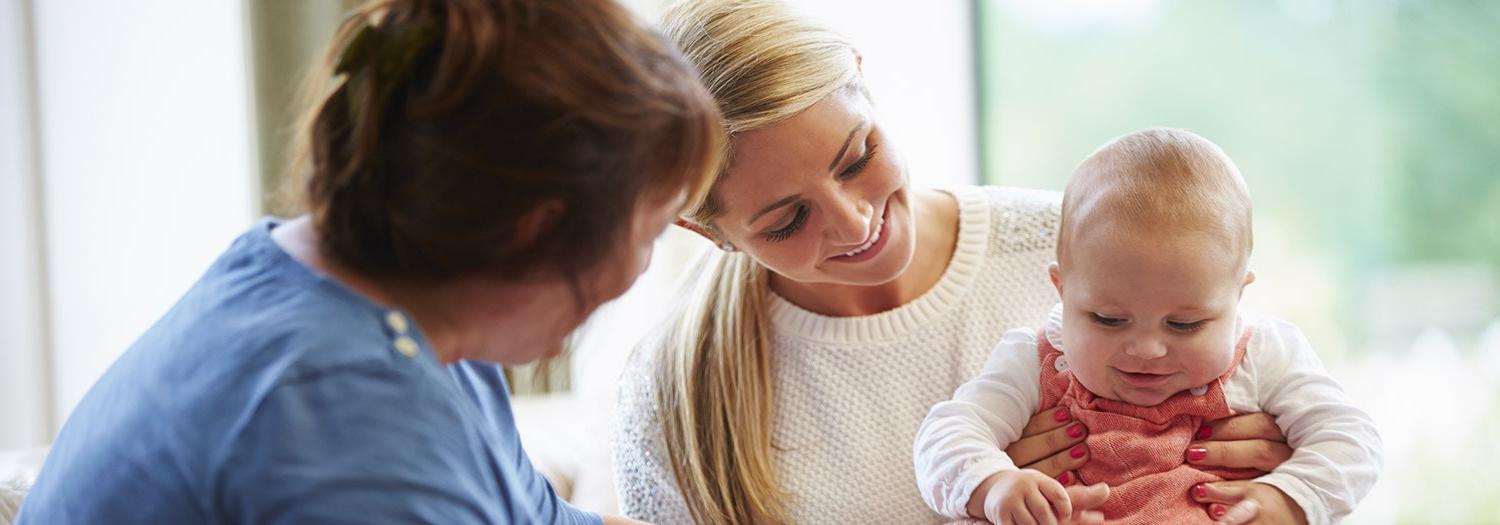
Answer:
[(850, 392)]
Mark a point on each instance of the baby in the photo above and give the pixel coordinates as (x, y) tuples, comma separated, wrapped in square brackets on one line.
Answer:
[(1147, 345)]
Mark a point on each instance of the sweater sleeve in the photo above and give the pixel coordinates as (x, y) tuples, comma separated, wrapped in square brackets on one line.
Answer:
[(1337, 451), (962, 441), (643, 479)]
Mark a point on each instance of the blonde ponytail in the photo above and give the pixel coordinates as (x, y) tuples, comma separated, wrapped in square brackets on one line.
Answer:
[(715, 395), (763, 64)]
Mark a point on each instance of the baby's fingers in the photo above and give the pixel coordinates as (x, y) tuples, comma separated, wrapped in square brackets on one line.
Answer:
[(1019, 516), (1057, 495), (1088, 497), (1087, 517), (1040, 510), (1240, 513), (1225, 492)]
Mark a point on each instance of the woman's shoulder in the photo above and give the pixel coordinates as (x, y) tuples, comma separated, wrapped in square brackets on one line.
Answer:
[(1010, 206), (1018, 220), (636, 389)]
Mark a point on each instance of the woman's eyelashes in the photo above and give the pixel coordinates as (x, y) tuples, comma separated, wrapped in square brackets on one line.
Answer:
[(798, 217), (859, 165)]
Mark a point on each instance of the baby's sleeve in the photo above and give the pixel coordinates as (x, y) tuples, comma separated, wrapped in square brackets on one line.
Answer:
[(1336, 450), (962, 441)]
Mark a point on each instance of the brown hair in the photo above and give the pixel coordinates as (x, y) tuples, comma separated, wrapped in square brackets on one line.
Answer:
[(458, 117)]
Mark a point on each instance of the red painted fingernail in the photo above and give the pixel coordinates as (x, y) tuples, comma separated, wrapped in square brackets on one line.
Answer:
[(1075, 431), (1200, 491), (1064, 478), (1197, 453), (1218, 511), (1205, 432), (1060, 415), (1078, 451)]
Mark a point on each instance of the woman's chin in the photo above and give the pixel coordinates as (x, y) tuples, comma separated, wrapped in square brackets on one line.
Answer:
[(875, 272)]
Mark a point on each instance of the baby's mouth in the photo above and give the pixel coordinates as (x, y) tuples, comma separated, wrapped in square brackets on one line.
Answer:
[(1142, 379)]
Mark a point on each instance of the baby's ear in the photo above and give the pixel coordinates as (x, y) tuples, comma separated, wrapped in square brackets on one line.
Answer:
[(1055, 273), (1249, 278)]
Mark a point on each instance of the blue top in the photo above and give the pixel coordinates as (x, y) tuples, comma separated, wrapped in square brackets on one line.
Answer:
[(272, 394)]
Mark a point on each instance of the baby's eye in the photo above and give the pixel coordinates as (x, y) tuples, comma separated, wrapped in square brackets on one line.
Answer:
[(1183, 326), (1106, 320)]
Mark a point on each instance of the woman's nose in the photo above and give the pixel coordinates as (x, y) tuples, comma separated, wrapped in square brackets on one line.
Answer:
[(850, 221)]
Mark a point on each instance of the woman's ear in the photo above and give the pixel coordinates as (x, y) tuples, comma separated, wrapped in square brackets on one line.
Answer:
[(703, 232), (696, 229)]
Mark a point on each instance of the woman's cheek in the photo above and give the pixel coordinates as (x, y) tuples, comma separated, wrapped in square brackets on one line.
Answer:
[(790, 257)]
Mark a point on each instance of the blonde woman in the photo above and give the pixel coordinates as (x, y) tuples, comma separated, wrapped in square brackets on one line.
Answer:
[(840, 306)]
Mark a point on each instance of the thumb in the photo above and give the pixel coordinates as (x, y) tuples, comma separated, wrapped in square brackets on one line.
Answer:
[(1085, 498), (1242, 512), (1225, 492)]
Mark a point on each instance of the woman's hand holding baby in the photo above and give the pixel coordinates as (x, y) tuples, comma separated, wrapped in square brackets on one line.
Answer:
[(1242, 502), (1245, 441), (1029, 497), (1052, 443)]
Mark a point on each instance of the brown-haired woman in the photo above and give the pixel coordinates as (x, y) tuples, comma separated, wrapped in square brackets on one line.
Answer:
[(485, 175)]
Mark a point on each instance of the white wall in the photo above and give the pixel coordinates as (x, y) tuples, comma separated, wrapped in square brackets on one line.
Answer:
[(146, 166), (24, 409), (919, 63)]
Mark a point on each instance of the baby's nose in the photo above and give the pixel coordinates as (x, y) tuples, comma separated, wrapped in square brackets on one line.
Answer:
[(1146, 348)]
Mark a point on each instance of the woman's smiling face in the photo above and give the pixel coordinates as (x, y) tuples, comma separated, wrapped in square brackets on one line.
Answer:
[(821, 197)]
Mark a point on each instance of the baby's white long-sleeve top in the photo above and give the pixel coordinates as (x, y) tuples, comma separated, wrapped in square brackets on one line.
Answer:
[(1337, 449)]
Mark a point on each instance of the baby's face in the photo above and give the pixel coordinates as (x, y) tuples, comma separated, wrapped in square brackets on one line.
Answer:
[(1148, 316)]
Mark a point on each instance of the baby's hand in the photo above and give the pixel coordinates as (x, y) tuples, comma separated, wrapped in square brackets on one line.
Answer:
[(1239, 502), (1026, 497)]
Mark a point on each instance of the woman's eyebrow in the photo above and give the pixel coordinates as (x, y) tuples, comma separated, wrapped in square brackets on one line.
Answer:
[(845, 148), (783, 202)]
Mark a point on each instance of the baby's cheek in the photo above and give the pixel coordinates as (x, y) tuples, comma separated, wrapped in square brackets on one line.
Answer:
[(1210, 362), (1091, 370)]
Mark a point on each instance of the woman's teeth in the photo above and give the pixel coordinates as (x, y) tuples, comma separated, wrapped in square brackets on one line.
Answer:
[(879, 226)]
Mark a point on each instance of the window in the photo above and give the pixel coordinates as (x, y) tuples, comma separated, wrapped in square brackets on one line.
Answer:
[(1369, 133)]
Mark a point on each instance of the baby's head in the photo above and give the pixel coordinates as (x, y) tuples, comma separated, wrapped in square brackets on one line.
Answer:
[(1152, 258)]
